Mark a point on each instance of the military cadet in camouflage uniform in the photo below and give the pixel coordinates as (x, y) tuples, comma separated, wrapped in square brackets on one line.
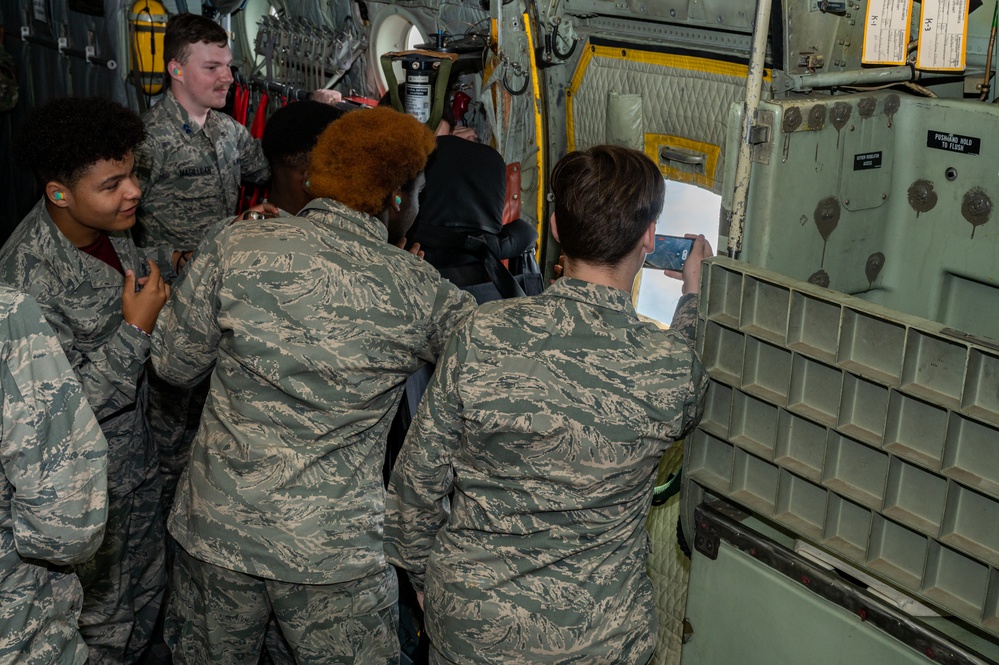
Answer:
[(289, 137), (312, 324), (547, 418), (193, 158), (53, 490), (189, 168), (72, 252)]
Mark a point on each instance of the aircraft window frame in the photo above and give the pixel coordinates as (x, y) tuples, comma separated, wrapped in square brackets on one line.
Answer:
[(394, 29)]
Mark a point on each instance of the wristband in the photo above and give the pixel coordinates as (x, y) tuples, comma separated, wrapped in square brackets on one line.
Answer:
[(138, 328)]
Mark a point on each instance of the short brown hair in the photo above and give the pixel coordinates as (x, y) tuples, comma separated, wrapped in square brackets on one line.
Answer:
[(363, 157), (185, 29), (605, 199)]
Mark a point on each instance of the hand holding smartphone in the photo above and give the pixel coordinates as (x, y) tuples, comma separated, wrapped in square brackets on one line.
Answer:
[(671, 253)]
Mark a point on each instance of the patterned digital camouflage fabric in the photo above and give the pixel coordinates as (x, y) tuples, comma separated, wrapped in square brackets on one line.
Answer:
[(190, 175), (173, 415), (329, 624), (80, 296), (547, 416), (312, 324), (53, 490), (190, 179)]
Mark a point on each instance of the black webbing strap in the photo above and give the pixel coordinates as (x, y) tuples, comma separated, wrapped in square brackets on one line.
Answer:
[(485, 247)]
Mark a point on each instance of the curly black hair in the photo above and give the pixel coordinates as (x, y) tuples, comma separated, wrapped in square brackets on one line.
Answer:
[(291, 133), (61, 140)]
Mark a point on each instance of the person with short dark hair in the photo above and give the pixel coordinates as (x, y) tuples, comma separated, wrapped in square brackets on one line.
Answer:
[(190, 168), (519, 501), (192, 162), (74, 255), (289, 136), (309, 326), (608, 197), (184, 30)]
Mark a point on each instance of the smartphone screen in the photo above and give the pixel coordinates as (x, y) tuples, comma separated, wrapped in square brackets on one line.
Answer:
[(670, 254)]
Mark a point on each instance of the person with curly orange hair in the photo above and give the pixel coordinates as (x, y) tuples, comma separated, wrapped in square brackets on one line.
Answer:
[(309, 326)]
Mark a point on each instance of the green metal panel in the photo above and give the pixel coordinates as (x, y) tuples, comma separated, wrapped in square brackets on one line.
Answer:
[(744, 612), (865, 431), (885, 196)]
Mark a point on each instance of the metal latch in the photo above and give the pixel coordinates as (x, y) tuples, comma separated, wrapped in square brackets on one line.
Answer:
[(811, 60), (759, 134)]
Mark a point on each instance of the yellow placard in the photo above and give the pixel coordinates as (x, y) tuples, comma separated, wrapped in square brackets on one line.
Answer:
[(886, 32), (943, 35)]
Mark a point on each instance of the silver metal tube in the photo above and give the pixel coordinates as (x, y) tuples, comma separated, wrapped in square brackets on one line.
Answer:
[(862, 77), (743, 165)]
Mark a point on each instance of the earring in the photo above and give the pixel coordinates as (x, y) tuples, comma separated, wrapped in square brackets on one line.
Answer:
[(57, 196), (398, 200)]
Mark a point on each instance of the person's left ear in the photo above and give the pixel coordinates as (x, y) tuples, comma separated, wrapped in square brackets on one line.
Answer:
[(554, 228), (56, 193), (174, 69)]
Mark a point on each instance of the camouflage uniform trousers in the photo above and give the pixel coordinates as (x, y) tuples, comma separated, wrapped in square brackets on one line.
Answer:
[(123, 584), (40, 602), (476, 625), (174, 414), (218, 616), (437, 658)]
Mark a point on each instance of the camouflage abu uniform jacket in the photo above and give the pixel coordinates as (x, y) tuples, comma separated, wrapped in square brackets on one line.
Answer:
[(80, 296), (547, 416), (53, 490), (313, 324), (190, 175)]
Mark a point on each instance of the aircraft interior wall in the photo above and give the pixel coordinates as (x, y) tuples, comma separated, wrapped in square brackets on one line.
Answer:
[(872, 180)]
